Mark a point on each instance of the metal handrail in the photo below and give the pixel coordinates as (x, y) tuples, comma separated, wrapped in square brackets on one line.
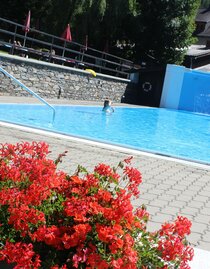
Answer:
[(60, 38), (28, 90), (89, 57), (105, 61), (74, 51)]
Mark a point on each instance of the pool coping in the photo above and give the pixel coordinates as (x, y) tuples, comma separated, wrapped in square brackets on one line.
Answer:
[(106, 145)]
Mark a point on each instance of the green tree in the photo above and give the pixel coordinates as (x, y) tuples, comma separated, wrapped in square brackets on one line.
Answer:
[(102, 21), (164, 29), (16, 10), (63, 12), (205, 3)]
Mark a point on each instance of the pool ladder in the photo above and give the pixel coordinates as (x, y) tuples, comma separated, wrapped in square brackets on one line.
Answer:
[(28, 90)]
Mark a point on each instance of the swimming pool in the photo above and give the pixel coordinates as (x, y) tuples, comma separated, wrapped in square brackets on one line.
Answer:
[(173, 133)]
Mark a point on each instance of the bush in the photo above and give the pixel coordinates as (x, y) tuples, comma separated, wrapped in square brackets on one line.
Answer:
[(49, 219)]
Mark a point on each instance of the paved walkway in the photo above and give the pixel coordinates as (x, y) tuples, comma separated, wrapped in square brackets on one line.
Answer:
[(169, 187)]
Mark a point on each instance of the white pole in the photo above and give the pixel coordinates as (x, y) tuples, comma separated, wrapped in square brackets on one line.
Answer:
[(24, 43)]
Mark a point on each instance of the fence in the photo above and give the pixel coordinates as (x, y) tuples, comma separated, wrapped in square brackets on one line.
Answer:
[(47, 47)]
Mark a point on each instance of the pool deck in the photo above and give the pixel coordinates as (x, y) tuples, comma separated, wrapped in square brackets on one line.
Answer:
[(170, 187)]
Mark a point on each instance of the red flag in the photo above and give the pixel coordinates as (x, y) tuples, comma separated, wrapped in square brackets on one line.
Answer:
[(67, 33), (26, 27)]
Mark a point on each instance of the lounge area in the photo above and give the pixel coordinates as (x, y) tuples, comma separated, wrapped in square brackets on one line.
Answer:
[(45, 47)]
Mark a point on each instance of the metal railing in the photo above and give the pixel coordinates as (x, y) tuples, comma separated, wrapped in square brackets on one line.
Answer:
[(54, 49), (28, 90)]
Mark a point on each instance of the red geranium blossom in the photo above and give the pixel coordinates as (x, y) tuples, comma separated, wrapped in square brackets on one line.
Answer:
[(52, 220)]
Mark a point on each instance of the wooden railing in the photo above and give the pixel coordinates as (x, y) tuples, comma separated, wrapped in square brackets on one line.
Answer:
[(43, 46)]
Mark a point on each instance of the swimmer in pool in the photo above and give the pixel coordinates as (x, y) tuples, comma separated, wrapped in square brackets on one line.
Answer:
[(107, 106)]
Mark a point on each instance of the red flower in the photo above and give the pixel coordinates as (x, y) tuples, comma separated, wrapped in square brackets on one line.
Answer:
[(107, 171), (21, 254), (84, 220), (128, 160), (182, 226), (135, 179)]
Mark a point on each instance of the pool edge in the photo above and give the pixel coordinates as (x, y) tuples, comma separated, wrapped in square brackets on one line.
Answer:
[(106, 145)]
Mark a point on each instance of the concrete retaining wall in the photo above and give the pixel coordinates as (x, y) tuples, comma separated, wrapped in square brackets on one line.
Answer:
[(51, 80)]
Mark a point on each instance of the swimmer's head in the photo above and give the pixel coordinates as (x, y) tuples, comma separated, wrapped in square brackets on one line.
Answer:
[(107, 102)]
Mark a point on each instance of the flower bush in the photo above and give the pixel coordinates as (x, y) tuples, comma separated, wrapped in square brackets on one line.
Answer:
[(49, 219)]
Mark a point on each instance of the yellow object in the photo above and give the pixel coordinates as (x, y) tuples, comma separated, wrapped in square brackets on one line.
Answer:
[(92, 72)]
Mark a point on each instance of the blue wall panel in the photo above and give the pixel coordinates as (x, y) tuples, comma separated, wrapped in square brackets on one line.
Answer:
[(195, 92)]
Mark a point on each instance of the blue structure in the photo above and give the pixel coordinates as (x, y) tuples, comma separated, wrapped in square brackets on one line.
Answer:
[(186, 89)]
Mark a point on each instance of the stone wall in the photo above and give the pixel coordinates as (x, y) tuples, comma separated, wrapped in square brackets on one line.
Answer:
[(51, 80)]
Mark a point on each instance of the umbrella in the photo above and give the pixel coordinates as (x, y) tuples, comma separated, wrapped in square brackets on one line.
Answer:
[(26, 27), (67, 33), (67, 36)]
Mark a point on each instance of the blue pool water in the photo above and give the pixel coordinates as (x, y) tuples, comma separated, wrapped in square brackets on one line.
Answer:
[(179, 134)]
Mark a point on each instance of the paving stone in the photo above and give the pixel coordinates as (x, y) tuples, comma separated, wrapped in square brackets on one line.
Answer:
[(179, 204), (195, 188), (164, 186), (167, 197), (189, 181), (204, 179), (207, 204), (200, 218), (196, 175), (153, 182), (179, 187), (140, 201), (194, 238), (156, 191), (147, 186), (189, 210), (205, 211), (183, 173), (157, 178), (171, 182), (186, 183), (170, 210), (189, 193), (196, 204), (204, 245), (161, 218), (207, 187), (153, 210), (206, 236), (148, 196), (200, 198), (198, 227), (204, 193), (183, 197), (198, 183), (158, 202)]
